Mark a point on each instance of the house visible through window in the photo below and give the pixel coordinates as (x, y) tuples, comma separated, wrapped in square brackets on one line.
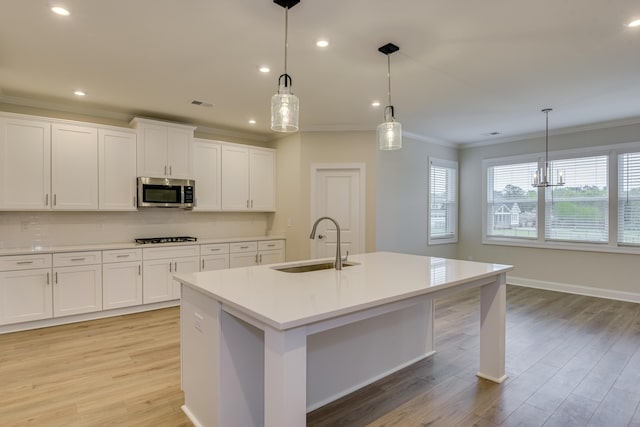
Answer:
[(443, 202), (588, 212)]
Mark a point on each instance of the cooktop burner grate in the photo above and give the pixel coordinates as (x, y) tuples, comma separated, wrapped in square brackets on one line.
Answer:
[(178, 239)]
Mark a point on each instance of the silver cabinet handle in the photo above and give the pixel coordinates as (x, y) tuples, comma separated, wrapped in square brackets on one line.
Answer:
[(134, 201), (165, 170), (247, 204), (257, 259), (271, 245), (251, 203), (122, 256), (202, 265), (47, 277), (55, 277), (78, 259), (176, 267), (260, 259), (55, 199), (244, 247), (214, 249), (170, 170), (139, 270), (46, 199), (170, 266), (24, 262)]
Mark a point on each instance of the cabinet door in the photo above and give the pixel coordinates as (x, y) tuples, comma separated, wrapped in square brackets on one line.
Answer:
[(206, 172), (182, 266), (25, 164), (121, 284), (77, 290), (214, 262), (262, 180), (25, 295), (271, 257), (179, 153), (152, 151), (117, 170), (243, 260), (235, 178), (74, 167), (157, 281)]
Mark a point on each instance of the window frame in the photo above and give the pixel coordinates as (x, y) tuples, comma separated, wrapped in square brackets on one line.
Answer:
[(448, 164), (611, 245)]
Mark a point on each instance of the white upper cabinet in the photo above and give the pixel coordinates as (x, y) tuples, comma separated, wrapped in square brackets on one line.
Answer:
[(117, 170), (206, 173), (74, 167), (163, 149), (25, 164), (248, 179)]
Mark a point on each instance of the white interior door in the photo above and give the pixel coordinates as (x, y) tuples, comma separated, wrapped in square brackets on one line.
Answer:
[(338, 191)]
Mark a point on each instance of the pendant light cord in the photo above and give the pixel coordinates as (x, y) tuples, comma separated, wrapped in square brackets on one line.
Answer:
[(286, 40), (389, 76)]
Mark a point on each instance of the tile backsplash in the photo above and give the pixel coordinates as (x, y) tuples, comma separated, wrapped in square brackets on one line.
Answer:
[(28, 229)]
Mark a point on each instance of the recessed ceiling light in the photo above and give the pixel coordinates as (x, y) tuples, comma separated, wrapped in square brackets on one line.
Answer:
[(264, 69), (79, 92), (322, 43), (252, 122), (59, 10), (375, 104), (635, 23)]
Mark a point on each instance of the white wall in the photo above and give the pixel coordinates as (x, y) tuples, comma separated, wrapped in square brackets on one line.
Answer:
[(402, 198), (596, 273)]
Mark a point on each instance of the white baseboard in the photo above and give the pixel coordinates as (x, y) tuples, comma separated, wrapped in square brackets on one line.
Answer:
[(575, 289)]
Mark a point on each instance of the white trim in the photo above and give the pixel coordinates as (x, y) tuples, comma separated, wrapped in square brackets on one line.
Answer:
[(361, 168), (56, 321), (575, 289)]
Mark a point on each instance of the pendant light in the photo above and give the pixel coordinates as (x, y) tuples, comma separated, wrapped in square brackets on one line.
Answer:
[(389, 133), (541, 176), (284, 104)]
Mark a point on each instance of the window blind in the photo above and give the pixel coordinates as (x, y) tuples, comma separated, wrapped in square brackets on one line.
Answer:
[(443, 201), (512, 203), (579, 211), (629, 198)]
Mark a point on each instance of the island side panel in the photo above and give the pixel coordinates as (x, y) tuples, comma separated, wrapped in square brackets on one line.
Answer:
[(200, 341), (493, 309), (349, 357)]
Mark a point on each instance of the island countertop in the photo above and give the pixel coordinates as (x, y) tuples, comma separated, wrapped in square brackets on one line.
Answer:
[(289, 300)]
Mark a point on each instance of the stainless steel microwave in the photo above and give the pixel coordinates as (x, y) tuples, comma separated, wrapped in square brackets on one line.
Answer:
[(166, 193)]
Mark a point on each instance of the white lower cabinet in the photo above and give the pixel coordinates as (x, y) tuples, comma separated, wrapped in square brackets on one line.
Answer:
[(25, 292), (214, 257), (77, 283), (121, 278), (159, 266), (246, 254)]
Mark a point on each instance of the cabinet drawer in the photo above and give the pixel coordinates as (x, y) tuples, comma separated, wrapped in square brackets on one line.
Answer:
[(121, 255), (77, 258), (266, 245), (170, 252), (214, 249), (240, 247), (24, 262)]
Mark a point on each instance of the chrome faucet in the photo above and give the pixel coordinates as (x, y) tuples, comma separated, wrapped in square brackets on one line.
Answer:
[(338, 262)]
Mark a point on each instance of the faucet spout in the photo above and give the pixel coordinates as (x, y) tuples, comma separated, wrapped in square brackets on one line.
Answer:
[(338, 262)]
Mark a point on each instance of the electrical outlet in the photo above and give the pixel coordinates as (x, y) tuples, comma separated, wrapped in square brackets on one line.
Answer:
[(289, 223), (198, 322)]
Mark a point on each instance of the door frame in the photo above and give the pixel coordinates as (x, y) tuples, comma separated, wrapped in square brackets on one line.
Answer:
[(361, 168)]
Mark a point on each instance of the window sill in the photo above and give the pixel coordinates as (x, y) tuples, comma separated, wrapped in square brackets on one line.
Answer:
[(584, 247)]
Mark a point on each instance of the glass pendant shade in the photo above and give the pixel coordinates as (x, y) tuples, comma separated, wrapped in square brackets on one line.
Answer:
[(389, 135), (284, 110)]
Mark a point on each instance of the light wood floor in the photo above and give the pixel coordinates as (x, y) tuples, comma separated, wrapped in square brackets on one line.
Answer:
[(571, 361)]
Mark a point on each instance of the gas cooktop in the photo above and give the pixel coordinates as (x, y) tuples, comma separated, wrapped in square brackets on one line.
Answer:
[(166, 240)]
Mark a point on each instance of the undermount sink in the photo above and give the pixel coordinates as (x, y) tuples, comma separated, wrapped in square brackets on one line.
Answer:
[(305, 268)]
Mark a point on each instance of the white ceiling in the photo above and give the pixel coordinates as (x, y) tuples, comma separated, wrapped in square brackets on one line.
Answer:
[(465, 68)]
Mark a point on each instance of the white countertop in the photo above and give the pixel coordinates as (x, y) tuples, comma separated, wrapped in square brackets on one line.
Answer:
[(288, 300), (126, 245)]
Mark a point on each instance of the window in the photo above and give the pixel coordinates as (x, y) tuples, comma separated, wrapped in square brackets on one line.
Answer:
[(629, 199), (443, 202), (598, 208), (512, 203), (579, 211)]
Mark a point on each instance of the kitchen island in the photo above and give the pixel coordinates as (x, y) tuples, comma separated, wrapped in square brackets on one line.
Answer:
[(262, 346)]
